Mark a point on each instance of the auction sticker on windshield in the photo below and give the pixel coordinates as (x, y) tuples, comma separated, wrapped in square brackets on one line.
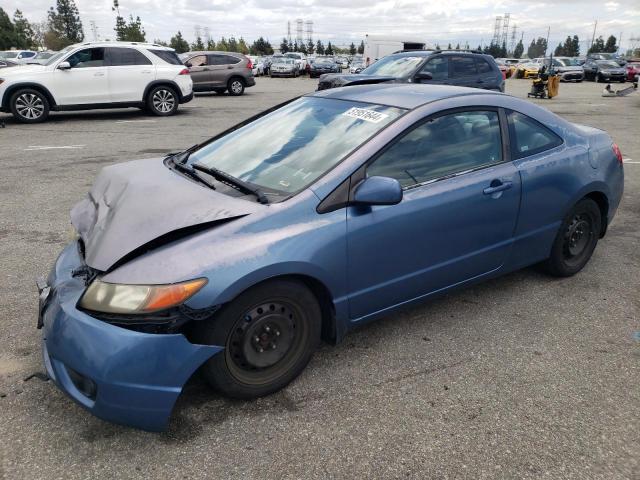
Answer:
[(366, 115)]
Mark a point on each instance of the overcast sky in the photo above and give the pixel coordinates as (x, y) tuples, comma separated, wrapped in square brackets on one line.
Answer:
[(343, 21)]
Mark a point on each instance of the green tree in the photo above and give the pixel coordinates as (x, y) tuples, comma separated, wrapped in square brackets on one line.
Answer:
[(598, 46), (198, 45), (242, 46), (320, 48), (211, 44), (575, 46), (261, 47), (7, 31), (352, 49), (157, 41), (361, 47), (537, 48), (458, 46), (311, 47), (178, 43), (519, 50), (65, 26), (302, 48), (329, 49), (128, 32), (284, 46), (222, 45), (610, 46), (24, 34), (233, 44)]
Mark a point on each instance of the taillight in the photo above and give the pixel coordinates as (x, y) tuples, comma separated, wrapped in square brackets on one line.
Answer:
[(249, 64), (184, 71), (617, 152)]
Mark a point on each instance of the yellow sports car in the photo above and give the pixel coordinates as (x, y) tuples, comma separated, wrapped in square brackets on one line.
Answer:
[(527, 70)]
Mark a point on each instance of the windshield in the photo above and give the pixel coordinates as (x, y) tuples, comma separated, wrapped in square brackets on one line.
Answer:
[(293, 55), (284, 60), (324, 60), (608, 64), (393, 66), (53, 59), (288, 149), (11, 54)]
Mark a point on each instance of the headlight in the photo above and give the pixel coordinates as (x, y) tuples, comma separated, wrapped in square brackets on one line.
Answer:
[(118, 298)]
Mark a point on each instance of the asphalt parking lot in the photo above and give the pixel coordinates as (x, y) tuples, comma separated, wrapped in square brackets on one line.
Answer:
[(525, 376)]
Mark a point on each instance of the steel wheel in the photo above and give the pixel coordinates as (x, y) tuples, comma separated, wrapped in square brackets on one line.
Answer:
[(264, 342), (577, 236), (164, 100)]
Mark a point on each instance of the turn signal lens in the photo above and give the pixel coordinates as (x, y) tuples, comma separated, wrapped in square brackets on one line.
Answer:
[(131, 299)]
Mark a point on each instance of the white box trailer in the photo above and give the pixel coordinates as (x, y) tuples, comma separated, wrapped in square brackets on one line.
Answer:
[(378, 46)]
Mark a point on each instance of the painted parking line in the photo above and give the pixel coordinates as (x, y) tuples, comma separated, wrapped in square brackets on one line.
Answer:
[(136, 121), (628, 160), (31, 148)]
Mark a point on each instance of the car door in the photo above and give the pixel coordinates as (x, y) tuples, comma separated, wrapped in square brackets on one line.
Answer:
[(463, 71), (222, 68), (200, 69), (456, 219), (437, 67), (86, 82), (487, 76), (130, 71)]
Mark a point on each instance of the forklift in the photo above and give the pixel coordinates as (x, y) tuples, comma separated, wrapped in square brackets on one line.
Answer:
[(545, 84)]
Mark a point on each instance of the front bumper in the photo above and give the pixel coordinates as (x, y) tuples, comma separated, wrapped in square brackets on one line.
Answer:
[(571, 76), (186, 98), (135, 378)]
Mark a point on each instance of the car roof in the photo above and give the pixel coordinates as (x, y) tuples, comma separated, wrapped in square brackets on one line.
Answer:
[(407, 96), (122, 44)]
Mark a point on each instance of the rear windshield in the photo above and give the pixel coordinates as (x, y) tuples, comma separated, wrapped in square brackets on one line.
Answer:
[(290, 148), (168, 56), (394, 66)]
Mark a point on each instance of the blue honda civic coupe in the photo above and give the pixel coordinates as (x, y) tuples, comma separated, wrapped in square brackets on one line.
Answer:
[(238, 255)]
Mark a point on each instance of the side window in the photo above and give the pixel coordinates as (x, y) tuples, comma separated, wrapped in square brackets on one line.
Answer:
[(462, 67), (216, 60), (126, 57), (441, 147), (483, 66), (198, 61), (437, 67), (528, 136), (89, 57), (230, 59)]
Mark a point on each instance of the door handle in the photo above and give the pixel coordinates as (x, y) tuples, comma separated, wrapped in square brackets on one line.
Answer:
[(497, 186), (146, 71), (229, 67), (98, 74)]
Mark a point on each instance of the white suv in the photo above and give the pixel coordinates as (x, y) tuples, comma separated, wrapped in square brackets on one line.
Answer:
[(97, 75)]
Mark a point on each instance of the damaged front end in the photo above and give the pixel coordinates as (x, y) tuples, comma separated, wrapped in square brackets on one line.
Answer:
[(122, 370)]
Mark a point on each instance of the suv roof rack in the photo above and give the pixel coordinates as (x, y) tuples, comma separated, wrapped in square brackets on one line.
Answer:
[(463, 50)]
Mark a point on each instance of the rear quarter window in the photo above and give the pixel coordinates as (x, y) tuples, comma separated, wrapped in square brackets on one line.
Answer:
[(168, 56), (528, 136)]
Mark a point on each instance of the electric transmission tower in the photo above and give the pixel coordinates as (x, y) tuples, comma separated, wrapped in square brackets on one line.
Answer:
[(309, 25), (496, 31), (94, 30), (512, 43), (299, 29), (505, 29)]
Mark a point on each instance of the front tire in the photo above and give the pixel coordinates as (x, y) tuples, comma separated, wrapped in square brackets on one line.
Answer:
[(235, 87), (576, 239), (269, 333), (29, 106), (162, 101)]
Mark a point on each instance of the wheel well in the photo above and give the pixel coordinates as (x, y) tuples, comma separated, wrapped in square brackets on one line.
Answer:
[(237, 77), (603, 203), (9, 92), (160, 83), (325, 299)]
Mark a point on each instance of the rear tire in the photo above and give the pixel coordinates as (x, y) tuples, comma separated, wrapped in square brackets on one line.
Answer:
[(162, 101), (576, 239), (269, 333), (29, 106), (235, 87)]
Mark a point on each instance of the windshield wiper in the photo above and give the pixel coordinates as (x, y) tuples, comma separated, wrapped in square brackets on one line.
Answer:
[(232, 181), (193, 174)]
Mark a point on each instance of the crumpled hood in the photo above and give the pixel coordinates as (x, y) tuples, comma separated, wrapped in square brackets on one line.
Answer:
[(131, 204), (334, 80)]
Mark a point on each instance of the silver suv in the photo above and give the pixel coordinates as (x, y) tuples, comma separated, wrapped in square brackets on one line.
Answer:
[(219, 71)]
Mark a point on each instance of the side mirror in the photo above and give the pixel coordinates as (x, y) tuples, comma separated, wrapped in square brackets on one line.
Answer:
[(64, 66), (424, 76), (378, 191)]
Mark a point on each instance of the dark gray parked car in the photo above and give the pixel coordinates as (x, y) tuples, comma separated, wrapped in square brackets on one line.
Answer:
[(459, 68), (604, 71), (219, 71)]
